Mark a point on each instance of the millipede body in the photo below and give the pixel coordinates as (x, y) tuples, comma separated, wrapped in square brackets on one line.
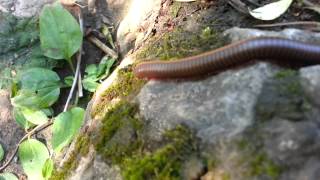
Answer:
[(261, 48)]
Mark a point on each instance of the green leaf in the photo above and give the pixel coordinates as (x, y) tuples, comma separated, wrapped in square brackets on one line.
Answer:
[(20, 119), (105, 67), (33, 155), (47, 111), (47, 168), (271, 11), (90, 84), (1, 153), (8, 176), (65, 126), (68, 80), (91, 70), (26, 98), (60, 34), (41, 87), (34, 116)]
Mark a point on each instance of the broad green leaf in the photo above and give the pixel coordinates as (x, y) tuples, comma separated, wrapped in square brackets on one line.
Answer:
[(34, 116), (60, 34), (26, 98), (20, 119), (271, 11), (65, 126), (8, 176), (47, 111), (41, 86), (90, 84), (1, 153), (33, 155), (47, 168), (91, 70)]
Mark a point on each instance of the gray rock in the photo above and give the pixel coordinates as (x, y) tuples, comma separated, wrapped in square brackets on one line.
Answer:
[(236, 34), (277, 113), (29, 8), (99, 170), (221, 105), (6, 5), (308, 171), (21, 8), (309, 78), (291, 143)]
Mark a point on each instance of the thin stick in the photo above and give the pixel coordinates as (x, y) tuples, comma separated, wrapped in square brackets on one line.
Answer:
[(295, 23), (103, 47), (76, 76), (80, 89), (34, 131)]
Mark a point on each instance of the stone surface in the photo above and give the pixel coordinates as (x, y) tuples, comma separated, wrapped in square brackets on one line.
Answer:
[(236, 34), (218, 106), (137, 22), (29, 8), (96, 169), (274, 109), (311, 83), (22, 8)]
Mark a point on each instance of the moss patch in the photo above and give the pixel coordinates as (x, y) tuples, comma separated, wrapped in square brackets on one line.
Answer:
[(119, 133), (126, 86), (260, 164), (283, 97), (81, 149), (120, 142), (243, 158), (164, 162), (180, 43)]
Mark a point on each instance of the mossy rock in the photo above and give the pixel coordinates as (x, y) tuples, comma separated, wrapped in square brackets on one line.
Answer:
[(282, 96)]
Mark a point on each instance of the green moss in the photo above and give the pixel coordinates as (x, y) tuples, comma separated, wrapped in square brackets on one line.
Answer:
[(81, 149), (180, 43), (126, 85), (119, 133), (119, 141), (254, 160), (261, 165), (163, 163), (283, 97), (285, 73)]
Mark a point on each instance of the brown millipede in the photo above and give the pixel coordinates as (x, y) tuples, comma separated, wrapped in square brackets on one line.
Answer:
[(264, 48)]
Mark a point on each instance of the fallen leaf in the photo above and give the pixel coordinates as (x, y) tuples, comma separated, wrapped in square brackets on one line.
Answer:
[(271, 11)]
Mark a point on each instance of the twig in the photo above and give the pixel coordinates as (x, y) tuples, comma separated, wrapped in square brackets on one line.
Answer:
[(239, 6), (308, 3), (80, 89), (34, 131), (76, 75), (103, 47), (314, 24)]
